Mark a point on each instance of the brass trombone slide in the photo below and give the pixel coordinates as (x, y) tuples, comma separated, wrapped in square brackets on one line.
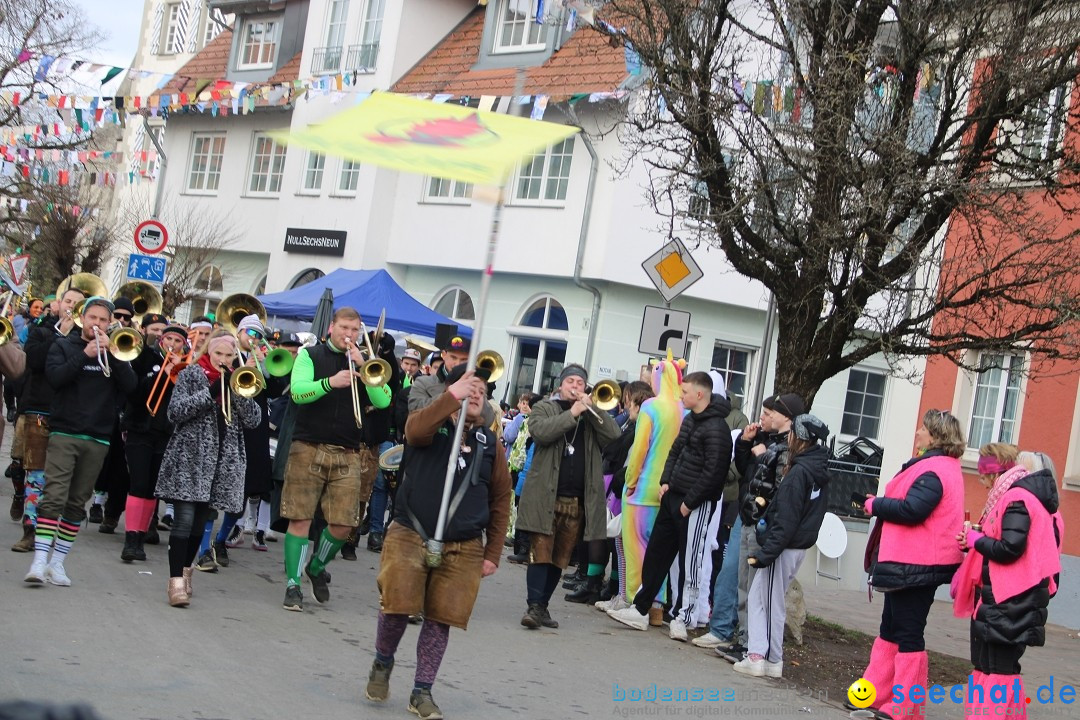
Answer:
[(353, 388)]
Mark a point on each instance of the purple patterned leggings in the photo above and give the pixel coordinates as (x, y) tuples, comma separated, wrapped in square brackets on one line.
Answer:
[(430, 645)]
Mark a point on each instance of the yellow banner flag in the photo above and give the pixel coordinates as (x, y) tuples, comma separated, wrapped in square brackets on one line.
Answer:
[(420, 136)]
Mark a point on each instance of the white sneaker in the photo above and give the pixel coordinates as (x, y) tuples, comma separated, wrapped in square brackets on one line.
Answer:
[(56, 575), (677, 630), (37, 572), (631, 617), (709, 641), (774, 669), (754, 668), (615, 603)]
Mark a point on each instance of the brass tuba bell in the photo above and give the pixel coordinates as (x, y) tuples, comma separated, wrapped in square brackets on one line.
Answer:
[(89, 284), (7, 331), (492, 362), (236, 307), (144, 299)]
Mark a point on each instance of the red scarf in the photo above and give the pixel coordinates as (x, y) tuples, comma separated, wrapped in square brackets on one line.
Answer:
[(213, 374)]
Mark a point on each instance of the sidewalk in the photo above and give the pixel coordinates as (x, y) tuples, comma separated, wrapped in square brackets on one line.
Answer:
[(947, 634)]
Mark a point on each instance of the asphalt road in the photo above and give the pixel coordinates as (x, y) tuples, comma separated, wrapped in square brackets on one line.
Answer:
[(111, 640)]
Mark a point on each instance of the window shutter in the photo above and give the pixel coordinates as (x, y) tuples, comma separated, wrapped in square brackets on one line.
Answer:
[(155, 32)]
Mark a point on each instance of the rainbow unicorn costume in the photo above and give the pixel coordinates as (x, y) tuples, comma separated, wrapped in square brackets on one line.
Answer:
[(657, 427)]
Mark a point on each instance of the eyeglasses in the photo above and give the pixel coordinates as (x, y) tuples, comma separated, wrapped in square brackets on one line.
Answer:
[(255, 334)]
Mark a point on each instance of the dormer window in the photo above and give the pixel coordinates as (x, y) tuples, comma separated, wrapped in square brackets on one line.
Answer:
[(259, 42), (517, 29)]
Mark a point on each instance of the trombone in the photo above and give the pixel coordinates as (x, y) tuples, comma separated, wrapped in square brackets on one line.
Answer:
[(247, 382), (164, 379), (605, 395)]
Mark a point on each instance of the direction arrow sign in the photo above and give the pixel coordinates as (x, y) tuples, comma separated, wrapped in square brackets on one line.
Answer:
[(146, 268), (663, 329), (672, 269)]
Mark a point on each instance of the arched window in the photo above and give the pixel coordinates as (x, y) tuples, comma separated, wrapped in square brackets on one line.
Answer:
[(209, 280), (540, 349), (455, 303), (260, 289), (309, 275), (208, 285)]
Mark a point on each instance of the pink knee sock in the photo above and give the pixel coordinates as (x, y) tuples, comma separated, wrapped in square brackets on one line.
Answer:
[(139, 512)]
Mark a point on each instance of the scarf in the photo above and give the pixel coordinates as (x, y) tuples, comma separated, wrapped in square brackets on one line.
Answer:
[(1001, 486), (213, 374)]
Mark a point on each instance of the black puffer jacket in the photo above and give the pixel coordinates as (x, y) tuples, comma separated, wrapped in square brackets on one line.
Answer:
[(38, 394), (1022, 618), (921, 499), (698, 462), (747, 463), (794, 517)]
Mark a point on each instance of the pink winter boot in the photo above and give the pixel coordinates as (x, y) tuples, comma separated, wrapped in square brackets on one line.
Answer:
[(912, 668), (1005, 693), (881, 668)]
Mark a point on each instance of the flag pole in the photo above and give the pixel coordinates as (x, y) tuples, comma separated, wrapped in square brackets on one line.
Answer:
[(434, 546)]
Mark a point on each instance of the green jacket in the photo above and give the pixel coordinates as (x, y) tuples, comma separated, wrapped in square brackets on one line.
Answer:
[(548, 423)]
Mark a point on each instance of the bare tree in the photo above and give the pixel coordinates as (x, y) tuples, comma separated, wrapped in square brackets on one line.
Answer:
[(830, 149), (197, 236), (35, 34)]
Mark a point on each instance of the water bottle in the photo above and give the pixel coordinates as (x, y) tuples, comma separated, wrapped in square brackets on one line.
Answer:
[(761, 525)]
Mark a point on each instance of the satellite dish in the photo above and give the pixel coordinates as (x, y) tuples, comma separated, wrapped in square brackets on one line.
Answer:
[(832, 537)]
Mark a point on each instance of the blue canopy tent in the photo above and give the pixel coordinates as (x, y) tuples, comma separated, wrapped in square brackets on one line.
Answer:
[(368, 292)]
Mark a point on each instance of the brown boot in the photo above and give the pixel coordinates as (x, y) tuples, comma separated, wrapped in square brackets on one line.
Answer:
[(178, 596), (26, 544), (656, 616), (187, 581)]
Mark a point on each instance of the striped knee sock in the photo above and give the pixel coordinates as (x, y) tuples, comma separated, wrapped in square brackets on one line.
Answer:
[(65, 538), (44, 534), (325, 551)]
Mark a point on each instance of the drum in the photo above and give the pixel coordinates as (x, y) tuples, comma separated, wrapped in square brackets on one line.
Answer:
[(389, 463)]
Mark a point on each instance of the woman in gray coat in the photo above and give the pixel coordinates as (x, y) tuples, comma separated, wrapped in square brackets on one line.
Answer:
[(204, 463)]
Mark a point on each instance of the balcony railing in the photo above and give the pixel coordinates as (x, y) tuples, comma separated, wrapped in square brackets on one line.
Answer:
[(362, 58), (326, 60)]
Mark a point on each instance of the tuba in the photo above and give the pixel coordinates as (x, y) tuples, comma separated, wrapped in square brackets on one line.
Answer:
[(236, 307), (89, 284), (144, 299)]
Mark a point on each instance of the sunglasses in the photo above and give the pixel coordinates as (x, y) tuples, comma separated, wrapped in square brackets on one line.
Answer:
[(255, 334), (122, 316)]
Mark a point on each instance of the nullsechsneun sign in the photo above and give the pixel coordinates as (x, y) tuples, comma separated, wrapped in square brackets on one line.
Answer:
[(315, 242)]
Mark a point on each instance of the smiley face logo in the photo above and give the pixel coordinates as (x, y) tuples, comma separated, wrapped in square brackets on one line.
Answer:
[(862, 693)]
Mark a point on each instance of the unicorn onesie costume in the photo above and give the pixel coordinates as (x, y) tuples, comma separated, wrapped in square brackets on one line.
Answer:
[(657, 427)]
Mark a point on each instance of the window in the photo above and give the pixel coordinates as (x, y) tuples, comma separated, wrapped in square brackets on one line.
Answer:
[(456, 304), (309, 275), (267, 166), (259, 46), (328, 59), (209, 280), (697, 207), (207, 154), (350, 177), (540, 350), (212, 28), (516, 28), (734, 365), (543, 178), (448, 191), (1040, 128), (864, 403), (313, 173), (260, 288), (172, 30), (362, 56), (997, 394)]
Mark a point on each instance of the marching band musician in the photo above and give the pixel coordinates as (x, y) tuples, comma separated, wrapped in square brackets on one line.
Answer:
[(88, 384), (204, 459), (325, 465), (148, 428), (251, 339), (32, 430)]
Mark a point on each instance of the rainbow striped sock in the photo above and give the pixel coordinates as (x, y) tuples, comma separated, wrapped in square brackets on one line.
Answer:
[(65, 537)]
